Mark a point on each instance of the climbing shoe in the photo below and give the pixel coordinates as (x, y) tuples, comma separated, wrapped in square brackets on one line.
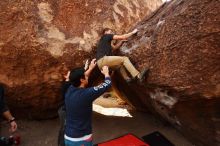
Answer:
[(142, 75), (128, 80)]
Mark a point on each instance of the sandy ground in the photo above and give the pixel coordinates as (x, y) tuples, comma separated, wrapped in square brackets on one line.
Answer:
[(45, 133)]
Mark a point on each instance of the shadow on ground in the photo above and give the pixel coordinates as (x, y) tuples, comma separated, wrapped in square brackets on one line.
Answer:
[(44, 133)]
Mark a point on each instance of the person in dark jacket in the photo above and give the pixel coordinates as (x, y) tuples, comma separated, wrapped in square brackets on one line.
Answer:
[(62, 110), (78, 103), (4, 110)]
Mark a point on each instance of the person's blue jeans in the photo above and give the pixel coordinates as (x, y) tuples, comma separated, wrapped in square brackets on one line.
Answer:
[(78, 143)]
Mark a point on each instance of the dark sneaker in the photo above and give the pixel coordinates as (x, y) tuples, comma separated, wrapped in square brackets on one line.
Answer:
[(143, 75), (128, 80)]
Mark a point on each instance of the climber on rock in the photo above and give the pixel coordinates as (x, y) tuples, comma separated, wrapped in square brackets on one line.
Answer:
[(105, 56), (78, 105)]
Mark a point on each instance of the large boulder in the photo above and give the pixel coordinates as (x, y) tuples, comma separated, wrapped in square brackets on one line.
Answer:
[(40, 39), (180, 45)]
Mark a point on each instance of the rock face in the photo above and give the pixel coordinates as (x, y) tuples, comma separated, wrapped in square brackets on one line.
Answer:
[(40, 39), (180, 45)]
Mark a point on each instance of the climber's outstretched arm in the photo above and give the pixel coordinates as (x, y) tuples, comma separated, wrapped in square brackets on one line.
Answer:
[(124, 36)]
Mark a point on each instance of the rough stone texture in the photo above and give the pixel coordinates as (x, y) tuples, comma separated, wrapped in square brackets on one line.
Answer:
[(179, 42), (40, 39), (180, 45)]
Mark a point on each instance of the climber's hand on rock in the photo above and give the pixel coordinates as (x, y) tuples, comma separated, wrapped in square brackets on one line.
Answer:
[(135, 31)]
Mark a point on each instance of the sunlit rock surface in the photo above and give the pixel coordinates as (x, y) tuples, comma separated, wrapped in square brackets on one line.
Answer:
[(180, 45), (40, 39)]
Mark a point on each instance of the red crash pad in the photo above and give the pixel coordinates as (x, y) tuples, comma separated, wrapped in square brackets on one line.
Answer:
[(126, 140)]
